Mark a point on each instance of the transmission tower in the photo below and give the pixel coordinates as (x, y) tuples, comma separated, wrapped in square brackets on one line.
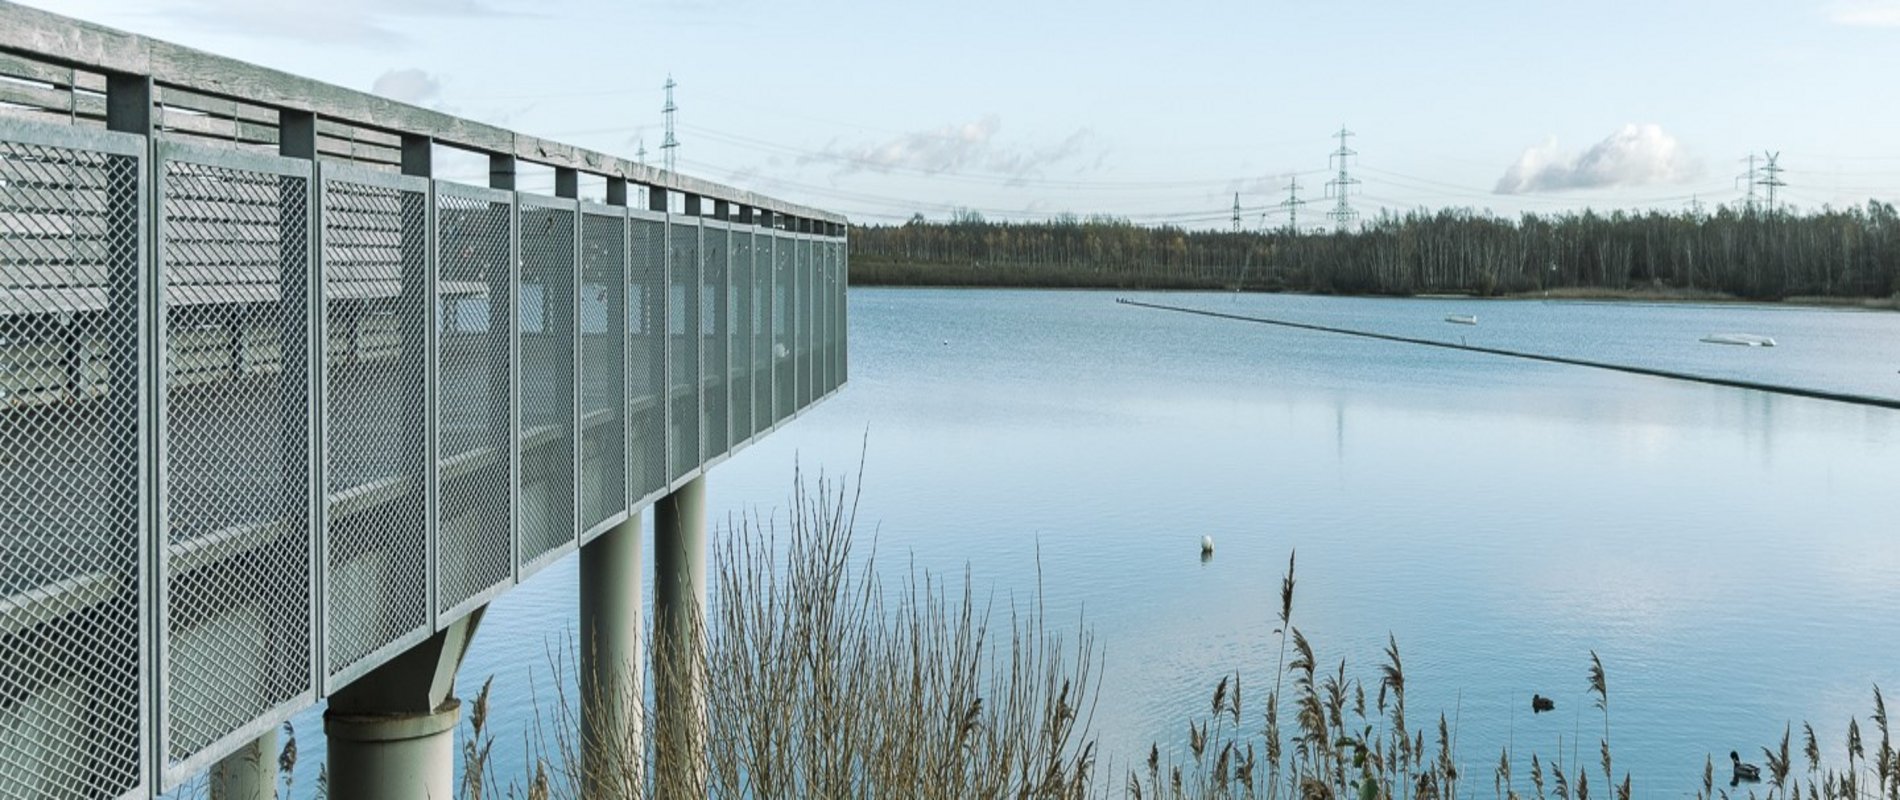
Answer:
[(669, 149), (1773, 181), (1341, 186), (1749, 176), (641, 154), (1292, 205), (1236, 212)]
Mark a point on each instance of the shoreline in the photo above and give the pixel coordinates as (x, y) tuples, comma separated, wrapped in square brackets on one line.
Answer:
[(1571, 294)]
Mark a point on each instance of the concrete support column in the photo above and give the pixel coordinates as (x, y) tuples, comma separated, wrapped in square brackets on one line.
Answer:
[(393, 755), (391, 732), (612, 748), (248, 774), (679, 608)]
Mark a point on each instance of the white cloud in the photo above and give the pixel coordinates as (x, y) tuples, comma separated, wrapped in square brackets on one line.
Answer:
[(412, 86), (1635, 155), (960, 147), (1865, 13)]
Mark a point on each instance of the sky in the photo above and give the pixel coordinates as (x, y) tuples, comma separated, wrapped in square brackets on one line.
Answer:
[(1158, 113)]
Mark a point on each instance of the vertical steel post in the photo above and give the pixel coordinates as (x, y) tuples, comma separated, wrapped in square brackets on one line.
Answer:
[(133, 381)]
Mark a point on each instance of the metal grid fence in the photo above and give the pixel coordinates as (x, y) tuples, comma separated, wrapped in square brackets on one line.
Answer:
[(714, 323), (235, 269), (603, 306), (647, 344), (307, 436), (475, 395), (739, 348), (73, 580), (375, 436), (785, 313), (682, 359), (545, 314)]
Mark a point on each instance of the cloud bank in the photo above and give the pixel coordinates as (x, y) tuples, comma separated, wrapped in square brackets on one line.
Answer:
[(1635, 155), (960, 147)]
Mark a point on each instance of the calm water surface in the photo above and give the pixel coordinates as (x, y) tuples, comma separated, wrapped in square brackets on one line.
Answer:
[(1733, 556)]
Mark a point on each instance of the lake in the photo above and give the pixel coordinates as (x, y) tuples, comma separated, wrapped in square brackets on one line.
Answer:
[(1733, 556)]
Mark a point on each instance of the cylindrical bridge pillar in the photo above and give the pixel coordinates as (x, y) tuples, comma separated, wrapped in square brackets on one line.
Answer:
[(393, 756), (612, 751), (248, 774), (679, 609)]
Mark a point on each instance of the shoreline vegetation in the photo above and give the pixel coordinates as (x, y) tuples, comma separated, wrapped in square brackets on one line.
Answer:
[(1834, 258), (822, 679)]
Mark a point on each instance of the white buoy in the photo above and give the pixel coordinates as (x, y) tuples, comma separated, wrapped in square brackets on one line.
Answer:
[(1207, 545)]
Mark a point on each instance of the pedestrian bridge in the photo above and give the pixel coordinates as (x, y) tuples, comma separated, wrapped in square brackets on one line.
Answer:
[(281, 410)]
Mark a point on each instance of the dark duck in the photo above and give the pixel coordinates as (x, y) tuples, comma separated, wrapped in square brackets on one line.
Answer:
[(1744, 773), (1541, 704)]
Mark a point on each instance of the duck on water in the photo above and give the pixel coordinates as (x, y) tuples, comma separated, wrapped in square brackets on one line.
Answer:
[(1744, 773)]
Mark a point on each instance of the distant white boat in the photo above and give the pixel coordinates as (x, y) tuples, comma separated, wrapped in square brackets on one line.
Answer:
[(1461, 319), (1742, 339)]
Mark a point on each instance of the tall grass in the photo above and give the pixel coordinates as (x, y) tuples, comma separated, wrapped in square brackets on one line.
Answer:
[(823, 680)]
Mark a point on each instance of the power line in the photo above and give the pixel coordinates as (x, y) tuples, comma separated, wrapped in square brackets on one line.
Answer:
[(1341, 186)]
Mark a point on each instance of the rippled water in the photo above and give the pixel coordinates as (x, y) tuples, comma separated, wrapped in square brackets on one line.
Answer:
[(1734, 556)]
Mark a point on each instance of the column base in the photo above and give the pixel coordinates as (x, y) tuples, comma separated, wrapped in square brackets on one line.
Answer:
[(393, 756)]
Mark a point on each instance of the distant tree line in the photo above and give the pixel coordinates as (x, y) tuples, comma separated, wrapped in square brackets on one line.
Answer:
[(1754, 254)]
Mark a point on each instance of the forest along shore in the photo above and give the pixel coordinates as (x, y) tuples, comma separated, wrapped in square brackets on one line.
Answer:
[(1847, 257)]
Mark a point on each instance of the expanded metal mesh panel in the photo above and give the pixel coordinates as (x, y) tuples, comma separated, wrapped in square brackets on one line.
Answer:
[(761, 349), (71, 585), (784, 327), (376, 311), (739, 311), (844, 313), (647, 342), (236, 597), (546, 316), (603, 368), (821, 250), (838, 293), (808, 313), (474, 363), (715, 321), (682, 320)]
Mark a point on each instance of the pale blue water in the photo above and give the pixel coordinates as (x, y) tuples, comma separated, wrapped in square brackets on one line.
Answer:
[(1733, 556)]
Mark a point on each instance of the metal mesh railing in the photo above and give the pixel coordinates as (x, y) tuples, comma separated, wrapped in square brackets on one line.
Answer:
[(235, 264), (714, 323), (785, 313), (498, 375), (71, 426), (546, 317), (603, 307), (682, 322), (475, 403), (376, 321), (739, 311), (647, 344)]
